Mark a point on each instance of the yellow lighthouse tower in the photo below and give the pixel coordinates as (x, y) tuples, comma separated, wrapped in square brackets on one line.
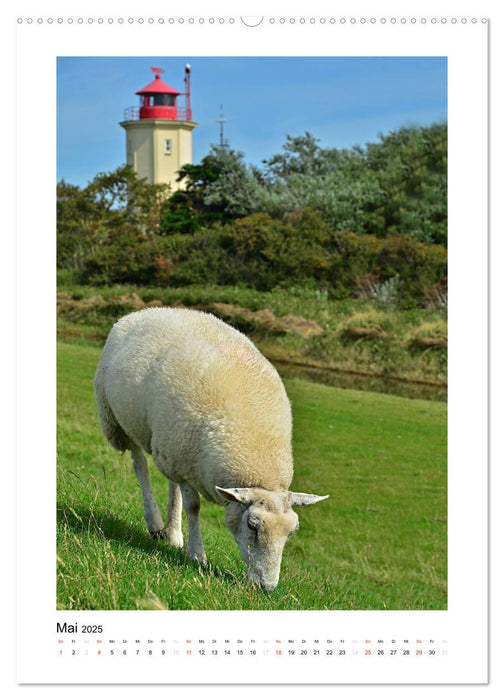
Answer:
[(159, 132)]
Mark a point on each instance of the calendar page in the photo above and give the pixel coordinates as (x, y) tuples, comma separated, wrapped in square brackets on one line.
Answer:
[(276, 207)]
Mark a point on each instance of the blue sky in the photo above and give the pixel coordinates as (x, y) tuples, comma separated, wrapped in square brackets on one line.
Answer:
[(342, 101)]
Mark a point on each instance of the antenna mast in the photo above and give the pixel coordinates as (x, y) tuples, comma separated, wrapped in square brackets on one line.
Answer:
[(223, 143), (187, 94)]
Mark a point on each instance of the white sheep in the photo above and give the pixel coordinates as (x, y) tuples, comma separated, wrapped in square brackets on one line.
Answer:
[(199, 397)]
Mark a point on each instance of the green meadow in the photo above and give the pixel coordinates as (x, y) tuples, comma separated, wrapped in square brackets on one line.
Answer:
[(378, 543)]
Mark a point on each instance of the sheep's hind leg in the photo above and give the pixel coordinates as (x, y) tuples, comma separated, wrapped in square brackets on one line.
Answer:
[(191, 499), (151, 511), (173, 528)]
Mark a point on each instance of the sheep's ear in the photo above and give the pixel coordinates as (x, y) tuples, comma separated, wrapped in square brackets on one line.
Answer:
[(305, 499), (236, 495)]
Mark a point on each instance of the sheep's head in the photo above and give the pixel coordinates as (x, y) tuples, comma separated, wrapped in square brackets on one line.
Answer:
[(261, 522)]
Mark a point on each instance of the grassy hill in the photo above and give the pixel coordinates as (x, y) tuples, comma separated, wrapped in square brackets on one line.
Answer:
[(379, 541)]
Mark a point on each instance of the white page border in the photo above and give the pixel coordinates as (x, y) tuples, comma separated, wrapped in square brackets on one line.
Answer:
[(465, 48)]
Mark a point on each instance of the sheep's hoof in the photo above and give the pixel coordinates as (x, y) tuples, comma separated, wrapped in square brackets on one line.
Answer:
[(158, 534), (198, 558), (174, 538)]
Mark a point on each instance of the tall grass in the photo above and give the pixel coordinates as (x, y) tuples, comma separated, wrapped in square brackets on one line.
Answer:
[(87, 314)]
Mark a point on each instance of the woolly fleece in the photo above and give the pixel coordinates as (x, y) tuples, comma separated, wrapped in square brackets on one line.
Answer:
[(197, 395)]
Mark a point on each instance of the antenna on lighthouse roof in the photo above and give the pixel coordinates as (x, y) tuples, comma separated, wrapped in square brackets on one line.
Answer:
[(223, 143), (187, 81)]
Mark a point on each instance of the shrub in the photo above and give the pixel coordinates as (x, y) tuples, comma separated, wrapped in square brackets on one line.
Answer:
[(123, 256), (419, 266), (263, 253)]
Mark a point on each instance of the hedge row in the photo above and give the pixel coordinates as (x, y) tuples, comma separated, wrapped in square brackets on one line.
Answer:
[(264, 253)]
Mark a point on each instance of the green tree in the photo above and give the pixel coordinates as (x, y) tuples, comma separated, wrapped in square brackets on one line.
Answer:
[(95, 218), (122, 197), (333, 182), (301, 155), (411, 167), (394, 187), (76, 218), (219, 189)]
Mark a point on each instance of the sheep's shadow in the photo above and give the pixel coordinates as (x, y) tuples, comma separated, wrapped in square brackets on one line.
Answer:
[(107, 526)]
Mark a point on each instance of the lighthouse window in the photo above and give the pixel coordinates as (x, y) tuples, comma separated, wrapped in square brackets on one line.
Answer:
[(164, 100), (167, 148)]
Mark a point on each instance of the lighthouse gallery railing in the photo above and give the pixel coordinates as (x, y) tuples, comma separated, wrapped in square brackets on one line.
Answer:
[(133, 113)]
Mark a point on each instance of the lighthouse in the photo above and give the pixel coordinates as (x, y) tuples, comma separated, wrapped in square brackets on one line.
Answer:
[(159, 131)]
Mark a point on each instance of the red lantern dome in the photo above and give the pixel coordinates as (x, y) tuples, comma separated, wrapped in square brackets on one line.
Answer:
[(159, 100)]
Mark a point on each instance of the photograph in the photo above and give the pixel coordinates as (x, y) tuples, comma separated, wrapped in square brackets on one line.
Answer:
[(252, 317)]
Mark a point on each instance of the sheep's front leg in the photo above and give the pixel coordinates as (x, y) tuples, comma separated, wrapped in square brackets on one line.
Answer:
[(174, 516), (151, 511), (191, 499)]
